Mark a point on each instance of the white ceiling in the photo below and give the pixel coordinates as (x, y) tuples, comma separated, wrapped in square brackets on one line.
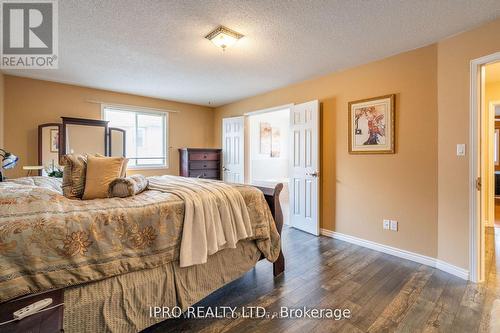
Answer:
[(156, 48)]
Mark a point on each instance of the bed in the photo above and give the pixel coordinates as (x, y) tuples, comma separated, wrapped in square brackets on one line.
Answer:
[(112, 259)]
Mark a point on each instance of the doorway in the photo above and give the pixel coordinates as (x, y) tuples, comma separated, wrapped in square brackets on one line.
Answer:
[(268, 154), (492, 226), (279, 145), (485, 165)]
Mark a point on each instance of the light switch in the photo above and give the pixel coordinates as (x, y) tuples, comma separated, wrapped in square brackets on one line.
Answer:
[(386, 224), (394, 225), (461, 149)]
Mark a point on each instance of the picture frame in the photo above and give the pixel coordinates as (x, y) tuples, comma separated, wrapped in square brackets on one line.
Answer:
[(275, 142), (54, 140), (265, 138), (372, 127)]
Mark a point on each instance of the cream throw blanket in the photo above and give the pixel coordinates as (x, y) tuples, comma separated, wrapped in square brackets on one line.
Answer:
[(215, 216)]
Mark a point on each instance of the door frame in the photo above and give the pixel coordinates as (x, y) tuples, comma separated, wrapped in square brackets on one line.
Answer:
[(274, 108), (476, 234)]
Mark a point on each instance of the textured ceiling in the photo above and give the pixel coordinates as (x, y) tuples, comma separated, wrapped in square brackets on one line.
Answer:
[(156, 48)]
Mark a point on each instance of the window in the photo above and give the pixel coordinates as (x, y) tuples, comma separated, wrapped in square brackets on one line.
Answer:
[(146, 138)]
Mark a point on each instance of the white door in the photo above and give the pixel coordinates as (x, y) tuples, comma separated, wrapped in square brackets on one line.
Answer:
[(233, 165), (304, 167)]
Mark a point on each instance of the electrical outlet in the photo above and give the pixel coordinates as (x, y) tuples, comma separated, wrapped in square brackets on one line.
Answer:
[(386, 224), (394, 225)]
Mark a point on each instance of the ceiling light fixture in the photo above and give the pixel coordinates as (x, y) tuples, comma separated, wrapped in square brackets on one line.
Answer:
[(223, 37)]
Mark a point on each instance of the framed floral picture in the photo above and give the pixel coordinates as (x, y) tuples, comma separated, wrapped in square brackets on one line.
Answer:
[(372, 126)]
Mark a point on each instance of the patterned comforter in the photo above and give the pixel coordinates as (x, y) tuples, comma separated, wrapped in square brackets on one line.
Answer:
[(48, 241)]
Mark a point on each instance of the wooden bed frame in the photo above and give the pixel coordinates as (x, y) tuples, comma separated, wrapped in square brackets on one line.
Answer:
[(272, 196), (52, 320)]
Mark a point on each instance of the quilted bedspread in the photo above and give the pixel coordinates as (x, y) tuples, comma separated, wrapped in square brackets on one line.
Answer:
[(48, 241)]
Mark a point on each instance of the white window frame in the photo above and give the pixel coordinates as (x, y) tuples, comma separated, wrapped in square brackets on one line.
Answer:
[(145, 111)]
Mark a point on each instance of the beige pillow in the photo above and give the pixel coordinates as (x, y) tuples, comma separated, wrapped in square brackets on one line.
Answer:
[(127, 187), (101, 171), (73, 183), (123, 172)]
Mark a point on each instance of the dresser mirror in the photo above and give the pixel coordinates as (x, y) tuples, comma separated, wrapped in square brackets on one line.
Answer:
[(116, 142), (77, 136), (82, 136)]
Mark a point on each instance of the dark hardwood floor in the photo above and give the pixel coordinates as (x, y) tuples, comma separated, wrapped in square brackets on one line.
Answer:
[(384, 293)]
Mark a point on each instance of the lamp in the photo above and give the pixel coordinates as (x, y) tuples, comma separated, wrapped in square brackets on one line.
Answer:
[(223, 37), (8, 160)]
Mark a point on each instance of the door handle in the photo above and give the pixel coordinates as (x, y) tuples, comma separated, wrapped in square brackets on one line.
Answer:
[(225, 169), (314, 174)]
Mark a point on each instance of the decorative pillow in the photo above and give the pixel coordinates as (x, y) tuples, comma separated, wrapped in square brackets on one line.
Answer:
[(127, 187), (123, 172), (73, 183), (101, 171)]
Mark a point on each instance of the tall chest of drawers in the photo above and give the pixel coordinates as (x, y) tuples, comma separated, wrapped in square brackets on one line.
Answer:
[(200, 163)]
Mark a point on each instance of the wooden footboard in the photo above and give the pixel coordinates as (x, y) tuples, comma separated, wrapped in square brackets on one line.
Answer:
[(272, 196)]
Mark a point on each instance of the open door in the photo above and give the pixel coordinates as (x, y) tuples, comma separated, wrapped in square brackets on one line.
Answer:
[(233, 165), (304, 167)]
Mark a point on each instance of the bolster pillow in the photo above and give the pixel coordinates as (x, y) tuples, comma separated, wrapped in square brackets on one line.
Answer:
[(127, 187)]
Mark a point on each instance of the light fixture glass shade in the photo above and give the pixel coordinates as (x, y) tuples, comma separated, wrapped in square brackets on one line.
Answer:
[(223, 37), (222, 40)]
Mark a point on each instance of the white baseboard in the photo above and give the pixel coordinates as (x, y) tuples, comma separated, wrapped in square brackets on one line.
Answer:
[(452, 269), (421, 259)]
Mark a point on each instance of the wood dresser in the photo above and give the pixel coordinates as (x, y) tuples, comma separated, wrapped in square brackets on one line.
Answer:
[(200, 163)]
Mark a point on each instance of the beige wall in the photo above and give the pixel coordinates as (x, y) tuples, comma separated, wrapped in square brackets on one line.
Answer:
[(454, 56), (1, 108), (29, 103), (359, 191), (492, 92)]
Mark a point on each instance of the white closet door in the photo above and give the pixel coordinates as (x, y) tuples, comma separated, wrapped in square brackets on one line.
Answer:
[(304, 167), (233, 163)]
